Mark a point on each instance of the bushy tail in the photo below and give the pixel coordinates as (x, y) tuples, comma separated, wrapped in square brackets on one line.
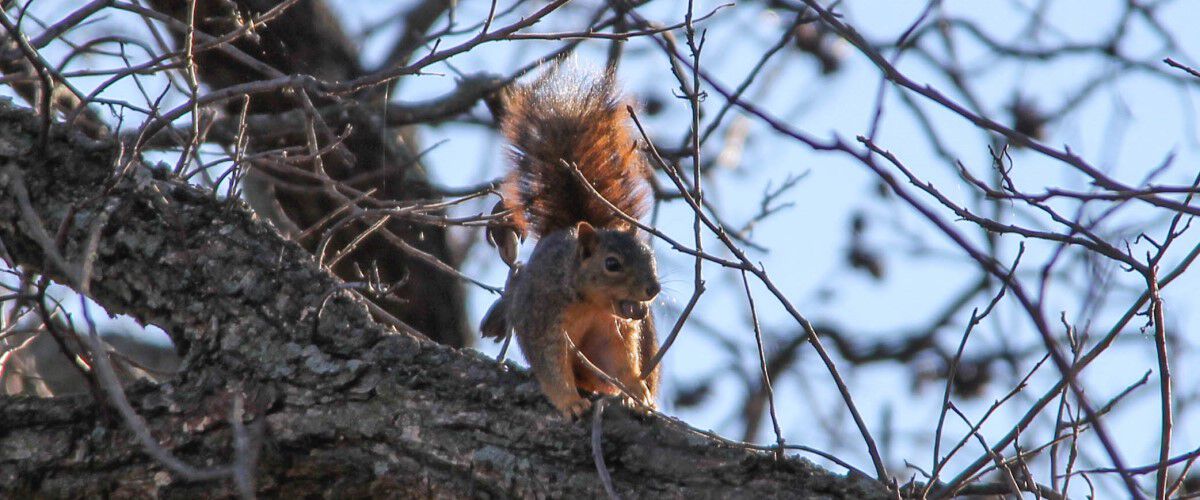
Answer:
[(569, 115)]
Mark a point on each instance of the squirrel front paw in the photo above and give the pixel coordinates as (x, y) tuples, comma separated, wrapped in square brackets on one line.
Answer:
[(574, 408), (641, 399), (644, 404)]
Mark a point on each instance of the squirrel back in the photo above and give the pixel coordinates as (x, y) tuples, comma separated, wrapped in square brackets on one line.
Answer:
[(568, 115)]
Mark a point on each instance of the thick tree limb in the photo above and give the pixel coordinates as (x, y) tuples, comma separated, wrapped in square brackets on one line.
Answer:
[(349, 408)]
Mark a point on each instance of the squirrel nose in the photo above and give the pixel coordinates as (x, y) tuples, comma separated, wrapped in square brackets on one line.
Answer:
[(652, 290)]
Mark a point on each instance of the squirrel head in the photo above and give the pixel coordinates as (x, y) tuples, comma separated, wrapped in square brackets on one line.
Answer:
[(615, 267)]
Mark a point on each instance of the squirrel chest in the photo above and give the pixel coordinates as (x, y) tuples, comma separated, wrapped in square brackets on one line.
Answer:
[(587, 322), (609, 342)]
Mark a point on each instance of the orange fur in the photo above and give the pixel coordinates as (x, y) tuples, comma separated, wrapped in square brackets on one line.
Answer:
[(577, 118), (610, 343)]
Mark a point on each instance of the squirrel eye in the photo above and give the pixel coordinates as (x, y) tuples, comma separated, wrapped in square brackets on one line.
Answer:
[(612, 265)]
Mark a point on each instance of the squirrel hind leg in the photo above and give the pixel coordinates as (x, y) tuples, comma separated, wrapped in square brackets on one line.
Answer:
[(560, 386), (549, 358), (647, 350)]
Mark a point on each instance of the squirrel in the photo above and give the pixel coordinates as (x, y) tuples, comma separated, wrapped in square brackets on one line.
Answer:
[(587, 286)]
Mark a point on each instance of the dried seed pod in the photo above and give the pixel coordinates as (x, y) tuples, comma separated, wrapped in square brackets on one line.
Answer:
[(503, 235)]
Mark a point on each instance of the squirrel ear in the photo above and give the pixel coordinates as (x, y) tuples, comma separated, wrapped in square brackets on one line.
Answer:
[(586, 235)]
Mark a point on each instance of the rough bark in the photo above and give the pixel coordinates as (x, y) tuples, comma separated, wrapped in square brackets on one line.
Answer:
[(348, 407)]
